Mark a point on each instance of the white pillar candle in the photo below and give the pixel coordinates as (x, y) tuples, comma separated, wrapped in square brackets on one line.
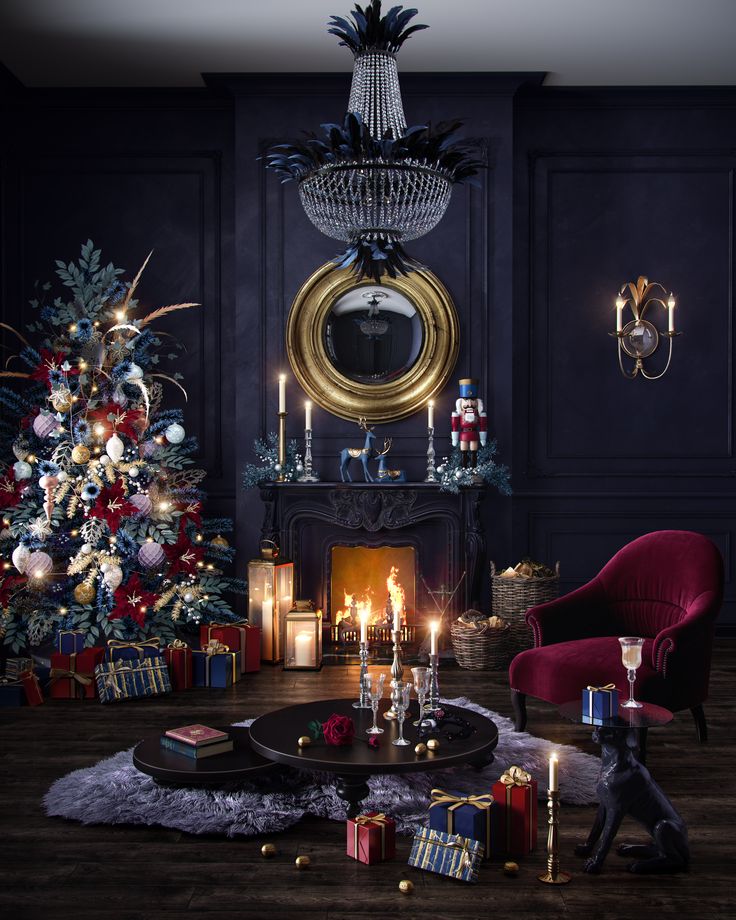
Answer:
[(619, 313), (282, 392), (304, 649), (433, 629), (671, 313), (267, 625), (430, 414), (397, 618), (364, 626), (553, 782), (308, 415)]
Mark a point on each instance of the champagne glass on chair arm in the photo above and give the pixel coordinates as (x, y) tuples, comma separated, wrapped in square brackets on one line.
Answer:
[(631, 659)]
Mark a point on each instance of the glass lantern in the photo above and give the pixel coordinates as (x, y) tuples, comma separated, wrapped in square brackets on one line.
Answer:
[(270, 596), (303, 647)]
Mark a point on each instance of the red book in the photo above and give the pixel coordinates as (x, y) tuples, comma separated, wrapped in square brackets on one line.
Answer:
[(196, 735)]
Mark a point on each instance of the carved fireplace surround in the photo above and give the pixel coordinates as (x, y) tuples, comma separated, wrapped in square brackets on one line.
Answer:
[(307, 519)]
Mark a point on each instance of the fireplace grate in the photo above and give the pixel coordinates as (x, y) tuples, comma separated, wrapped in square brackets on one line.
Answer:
[(377, 635)]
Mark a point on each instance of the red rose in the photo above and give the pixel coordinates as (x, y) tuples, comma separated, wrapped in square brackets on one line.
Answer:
[(338, 730)]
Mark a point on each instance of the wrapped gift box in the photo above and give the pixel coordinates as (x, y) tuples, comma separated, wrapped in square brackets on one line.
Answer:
[(447, 854), (129, 680), (468, 815), (31, 688), (221, 669), (240, 637), (371, 838), (70, 641), (514, 815), (72, 676), (133, 651), (600, 704), (12, 693), (178, 657)]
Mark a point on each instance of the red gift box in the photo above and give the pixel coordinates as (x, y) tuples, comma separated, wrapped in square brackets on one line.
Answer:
[(179, 661), (31, 688), (73, 676), (514, 821), (371, 837), (241, 638)]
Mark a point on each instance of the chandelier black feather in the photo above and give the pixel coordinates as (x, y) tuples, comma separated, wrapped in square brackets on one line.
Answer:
[(371, 181)]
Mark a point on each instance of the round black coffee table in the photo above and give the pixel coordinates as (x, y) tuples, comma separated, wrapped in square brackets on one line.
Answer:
[(275, 736), (242, 763)]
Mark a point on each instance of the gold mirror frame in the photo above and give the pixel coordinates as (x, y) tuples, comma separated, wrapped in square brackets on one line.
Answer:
[(384, 402)]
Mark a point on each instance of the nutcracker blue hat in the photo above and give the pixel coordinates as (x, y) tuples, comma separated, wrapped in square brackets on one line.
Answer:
[(468, 387)]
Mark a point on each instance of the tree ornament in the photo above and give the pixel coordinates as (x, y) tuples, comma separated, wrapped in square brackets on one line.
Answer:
[(105, 460), (188, 597), (302, 862), (86, 548), (113, 577), (268, 850), (38, 565), (114, 448), (84, 593), (62, 476), (406, 886), (20, 557), (219, 540), (80, 454), (22, 470), (61, 399), (133, 472), (175, 434), (148, 448), (142, 502), (151, 555), (134, 373), (44, 424), (105, 567)]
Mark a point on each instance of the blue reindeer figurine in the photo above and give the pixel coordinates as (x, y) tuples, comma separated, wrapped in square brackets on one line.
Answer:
[(354, 453)]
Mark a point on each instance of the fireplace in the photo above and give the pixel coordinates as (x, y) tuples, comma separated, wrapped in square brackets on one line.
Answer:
[(345, 539)]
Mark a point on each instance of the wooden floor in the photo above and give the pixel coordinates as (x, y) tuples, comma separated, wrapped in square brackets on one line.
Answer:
[(52, 868)]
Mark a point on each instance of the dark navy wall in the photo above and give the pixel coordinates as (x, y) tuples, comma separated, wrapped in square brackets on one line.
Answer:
[(584, 190)]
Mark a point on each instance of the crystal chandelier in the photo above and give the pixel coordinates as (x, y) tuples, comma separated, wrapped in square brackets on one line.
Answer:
[(371, 181)]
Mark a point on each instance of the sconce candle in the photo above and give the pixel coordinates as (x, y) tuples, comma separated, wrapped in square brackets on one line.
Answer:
[(282, 392), (671, 312), (620, 303), (639, 338)]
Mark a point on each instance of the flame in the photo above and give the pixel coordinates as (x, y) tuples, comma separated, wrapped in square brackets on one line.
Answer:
[(364, 603), (396, 592)]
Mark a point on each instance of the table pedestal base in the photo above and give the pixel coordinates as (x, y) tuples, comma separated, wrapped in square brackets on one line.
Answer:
[(352, 790)]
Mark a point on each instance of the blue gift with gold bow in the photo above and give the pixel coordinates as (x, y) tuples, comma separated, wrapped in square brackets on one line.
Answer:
[(446, 854), (71, 641), (215, 666), (467, 815), (129, 680), (129, 651), (600, 704)]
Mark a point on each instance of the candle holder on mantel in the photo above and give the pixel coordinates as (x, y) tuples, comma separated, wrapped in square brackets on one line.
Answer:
[(431, 469), (553, 875), (282, 447), (308, 475), (397, 673)]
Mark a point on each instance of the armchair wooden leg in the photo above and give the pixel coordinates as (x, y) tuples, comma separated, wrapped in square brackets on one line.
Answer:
[(701, 726), (518, 701)]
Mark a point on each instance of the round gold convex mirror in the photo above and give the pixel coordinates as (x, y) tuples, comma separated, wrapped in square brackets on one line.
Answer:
[(375, 351)]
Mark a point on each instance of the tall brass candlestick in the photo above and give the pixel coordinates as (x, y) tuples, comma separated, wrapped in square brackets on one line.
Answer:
[(553, 875), (282, 446)]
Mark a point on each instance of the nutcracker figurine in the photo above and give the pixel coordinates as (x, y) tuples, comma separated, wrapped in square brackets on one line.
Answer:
[(469, 422)]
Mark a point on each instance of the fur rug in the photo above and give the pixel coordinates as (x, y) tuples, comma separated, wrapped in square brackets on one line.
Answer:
[(114, 792)]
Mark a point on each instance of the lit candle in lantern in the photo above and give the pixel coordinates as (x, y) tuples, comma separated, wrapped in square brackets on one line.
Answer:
[(430, 414), (364, 626), (553, 782), (304, 649), (282, 392), (267, 624), (433, 630), (671, 312), (308, 415), (620, 303)]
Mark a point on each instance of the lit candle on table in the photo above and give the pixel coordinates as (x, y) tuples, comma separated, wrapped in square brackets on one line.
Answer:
[(671, 312), (308, 415), (433, 630), (430, 414), (620, 313), (397, 618), (282, 392), (364, 626), (304, 649), (553, 782)]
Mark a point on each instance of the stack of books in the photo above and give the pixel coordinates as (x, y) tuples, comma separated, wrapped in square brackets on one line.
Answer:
[(14, 667), (196, 741)]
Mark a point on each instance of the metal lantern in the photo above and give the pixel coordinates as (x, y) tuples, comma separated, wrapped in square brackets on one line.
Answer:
[(303, 645), (270, 596)]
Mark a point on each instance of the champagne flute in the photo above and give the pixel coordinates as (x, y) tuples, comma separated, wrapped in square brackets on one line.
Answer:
[(400, 698), (373, 683), (631, 659), (421, 685)]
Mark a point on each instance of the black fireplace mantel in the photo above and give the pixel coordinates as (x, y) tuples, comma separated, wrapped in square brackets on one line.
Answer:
[(305, 519)]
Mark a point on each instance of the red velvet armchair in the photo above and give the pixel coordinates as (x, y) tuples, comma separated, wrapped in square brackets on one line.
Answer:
[(666, 587)]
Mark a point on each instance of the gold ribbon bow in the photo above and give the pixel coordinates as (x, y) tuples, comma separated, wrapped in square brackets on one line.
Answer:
[(440, 797), (140, 647), (366, 819), (177, 644), (59, 673), (605, 688), (215, 647), (460, 843), (515, 776)]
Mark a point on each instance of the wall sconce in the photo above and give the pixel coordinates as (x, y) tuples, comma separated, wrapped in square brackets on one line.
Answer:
[(639, 338)]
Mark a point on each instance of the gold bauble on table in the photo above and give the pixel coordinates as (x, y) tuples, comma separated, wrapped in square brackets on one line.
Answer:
[(268, 850), (304, 741), (433, 744), (510, 868), (80, 454), (219, 540), (302, 862), (84, 593), (420, 749), (406, 886)]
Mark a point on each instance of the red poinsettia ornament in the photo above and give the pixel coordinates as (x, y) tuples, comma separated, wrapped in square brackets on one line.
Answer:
[(11, 491), (112, 418), (111, 505), (51, 361), (183, 555), (132, 600)]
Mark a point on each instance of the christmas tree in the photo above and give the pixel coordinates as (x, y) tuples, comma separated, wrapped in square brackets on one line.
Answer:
[(102, 524)]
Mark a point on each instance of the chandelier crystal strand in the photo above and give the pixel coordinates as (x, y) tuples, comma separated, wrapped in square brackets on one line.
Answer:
[(375, 94)]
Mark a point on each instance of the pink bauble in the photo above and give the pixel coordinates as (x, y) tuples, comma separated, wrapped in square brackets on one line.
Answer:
[(148, 448), (142, 502), (150, 555), (38, 565), (44, 425)]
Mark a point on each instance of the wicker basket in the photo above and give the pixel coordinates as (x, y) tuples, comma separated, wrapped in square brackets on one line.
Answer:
[(480, 649), (512, 597)]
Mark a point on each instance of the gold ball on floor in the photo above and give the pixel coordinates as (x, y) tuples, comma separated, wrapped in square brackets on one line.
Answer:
[(304, 741), (420, 749), (302, 862), (406, 886), (510, 868), (268, 850), (433, 744)]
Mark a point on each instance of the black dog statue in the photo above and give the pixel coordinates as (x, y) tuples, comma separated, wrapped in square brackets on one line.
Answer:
[(626, 787)]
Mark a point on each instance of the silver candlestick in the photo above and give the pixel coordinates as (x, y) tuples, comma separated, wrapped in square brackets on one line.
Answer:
[(397, 672), (364, 701), (308, 475), (431, 471), (434, 687)]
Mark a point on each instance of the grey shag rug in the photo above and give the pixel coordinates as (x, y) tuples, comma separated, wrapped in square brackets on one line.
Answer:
[(114, 792)]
